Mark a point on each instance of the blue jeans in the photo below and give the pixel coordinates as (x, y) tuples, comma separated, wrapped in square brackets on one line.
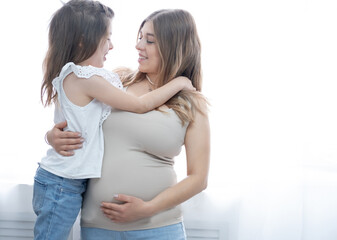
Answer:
[(171, 232), (56, 202)]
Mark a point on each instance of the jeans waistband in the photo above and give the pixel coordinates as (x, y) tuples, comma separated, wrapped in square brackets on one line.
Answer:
[(56, 178)]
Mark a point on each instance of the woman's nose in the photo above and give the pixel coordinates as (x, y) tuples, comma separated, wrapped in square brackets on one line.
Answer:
[(139, 45)]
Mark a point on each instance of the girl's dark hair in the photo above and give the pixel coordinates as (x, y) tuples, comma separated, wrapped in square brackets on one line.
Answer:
[(75, 32)]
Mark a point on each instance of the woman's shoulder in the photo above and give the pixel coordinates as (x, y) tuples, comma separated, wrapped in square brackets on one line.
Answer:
[(201, 100), (198, 101), (123, 73)]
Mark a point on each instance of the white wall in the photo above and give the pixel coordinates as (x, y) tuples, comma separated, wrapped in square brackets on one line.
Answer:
[(270, 75)]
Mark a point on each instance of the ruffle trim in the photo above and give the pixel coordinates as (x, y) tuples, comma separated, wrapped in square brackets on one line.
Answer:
[(89, 71)]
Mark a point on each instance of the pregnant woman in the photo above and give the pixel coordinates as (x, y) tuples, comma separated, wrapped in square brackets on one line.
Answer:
[(138, 196)]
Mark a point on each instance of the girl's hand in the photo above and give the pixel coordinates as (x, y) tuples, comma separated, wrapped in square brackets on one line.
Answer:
[(187, 83), (131, 209), (64, 142)]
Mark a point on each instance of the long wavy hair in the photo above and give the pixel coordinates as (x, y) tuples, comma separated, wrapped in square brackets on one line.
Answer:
[(75, 32), (180, 52)]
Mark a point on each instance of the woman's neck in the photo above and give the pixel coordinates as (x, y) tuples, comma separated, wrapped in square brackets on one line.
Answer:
[(151, 81), (152, 78), (139, 88)]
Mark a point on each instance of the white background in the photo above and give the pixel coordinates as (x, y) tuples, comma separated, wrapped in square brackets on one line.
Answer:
[(270, 75)]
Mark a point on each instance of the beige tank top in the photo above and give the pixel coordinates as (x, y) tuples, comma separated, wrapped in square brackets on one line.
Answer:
[(139, 151)]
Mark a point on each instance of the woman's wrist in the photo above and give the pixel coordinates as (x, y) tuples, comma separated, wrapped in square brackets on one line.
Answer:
[(150, 209)]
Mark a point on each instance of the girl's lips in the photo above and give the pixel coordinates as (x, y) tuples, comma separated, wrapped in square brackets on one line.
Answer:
[(104, 57)]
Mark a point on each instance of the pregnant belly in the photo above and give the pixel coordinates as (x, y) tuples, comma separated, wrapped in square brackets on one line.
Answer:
[(144, 181), (143, 177)]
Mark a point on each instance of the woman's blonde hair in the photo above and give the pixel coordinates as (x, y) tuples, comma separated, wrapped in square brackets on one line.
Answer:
[(180, 49), (75, 32)]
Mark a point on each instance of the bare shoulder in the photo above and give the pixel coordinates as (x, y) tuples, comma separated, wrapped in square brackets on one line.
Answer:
[(200, 108), (198, 131), (123, 73), (201, 104)]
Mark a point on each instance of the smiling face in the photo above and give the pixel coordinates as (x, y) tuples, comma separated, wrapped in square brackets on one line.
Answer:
[(149, 58), (99, 56)]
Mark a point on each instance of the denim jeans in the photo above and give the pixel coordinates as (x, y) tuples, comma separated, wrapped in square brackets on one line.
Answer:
[(56, 202), (171, 232)]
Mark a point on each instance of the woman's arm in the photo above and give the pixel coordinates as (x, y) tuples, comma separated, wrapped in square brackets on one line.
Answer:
[(97, 87), (197, 144), (64, 142)]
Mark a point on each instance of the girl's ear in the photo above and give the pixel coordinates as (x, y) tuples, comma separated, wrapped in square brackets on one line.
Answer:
[(81, 42)]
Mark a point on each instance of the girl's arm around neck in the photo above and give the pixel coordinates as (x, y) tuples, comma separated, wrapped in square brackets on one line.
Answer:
[(97, 87)]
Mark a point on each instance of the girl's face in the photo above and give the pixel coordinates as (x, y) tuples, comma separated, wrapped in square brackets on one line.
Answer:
[(99, 57), (149, 58)]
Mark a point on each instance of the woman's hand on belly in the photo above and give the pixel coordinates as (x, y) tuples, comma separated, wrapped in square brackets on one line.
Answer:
[(131, 209)]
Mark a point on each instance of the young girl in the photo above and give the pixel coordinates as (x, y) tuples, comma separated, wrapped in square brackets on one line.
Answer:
[(83, 93)]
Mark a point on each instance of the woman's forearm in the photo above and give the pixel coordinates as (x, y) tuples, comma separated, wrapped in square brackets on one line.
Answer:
[(177, 194), (134, 208)]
